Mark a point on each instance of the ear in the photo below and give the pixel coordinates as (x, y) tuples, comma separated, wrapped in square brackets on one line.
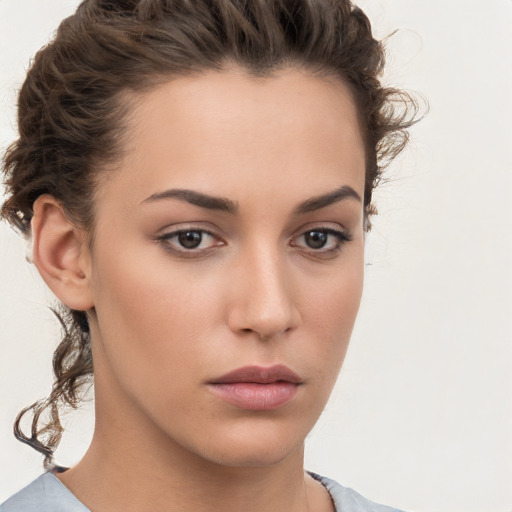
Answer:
[(61, 254)]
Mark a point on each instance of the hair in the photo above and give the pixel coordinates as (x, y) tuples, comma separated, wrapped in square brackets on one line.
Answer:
[(74, 100)]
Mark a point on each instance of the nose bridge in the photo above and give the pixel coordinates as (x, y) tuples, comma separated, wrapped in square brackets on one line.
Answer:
[(264, 300)]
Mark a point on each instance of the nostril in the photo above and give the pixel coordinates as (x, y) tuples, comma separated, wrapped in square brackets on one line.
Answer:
[(267, 330)]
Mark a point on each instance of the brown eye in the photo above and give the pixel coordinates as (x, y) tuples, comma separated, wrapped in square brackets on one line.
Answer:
[(322, 242), (190, 239), (316, 239), (190, 243)]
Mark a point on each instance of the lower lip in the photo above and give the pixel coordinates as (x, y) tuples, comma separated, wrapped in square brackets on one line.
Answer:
[(256, 397)]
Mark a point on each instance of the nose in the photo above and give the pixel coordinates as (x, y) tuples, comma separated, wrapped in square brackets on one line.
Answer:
[(263, 299)]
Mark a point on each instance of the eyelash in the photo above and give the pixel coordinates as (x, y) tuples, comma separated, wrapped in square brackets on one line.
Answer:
[(166, 238), (341, 238)]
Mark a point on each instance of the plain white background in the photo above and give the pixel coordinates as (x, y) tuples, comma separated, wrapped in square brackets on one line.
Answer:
[(421, 417)]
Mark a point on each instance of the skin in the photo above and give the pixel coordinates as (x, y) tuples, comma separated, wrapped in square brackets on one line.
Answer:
[(166, 320)]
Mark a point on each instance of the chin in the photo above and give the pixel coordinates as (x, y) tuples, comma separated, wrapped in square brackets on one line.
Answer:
[(253, 457), (253, 446)]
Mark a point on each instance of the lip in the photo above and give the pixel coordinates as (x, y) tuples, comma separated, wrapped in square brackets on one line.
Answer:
[(257, 388)]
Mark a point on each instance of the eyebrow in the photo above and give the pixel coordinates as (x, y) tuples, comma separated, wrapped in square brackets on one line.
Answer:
[(324, 200), (196, 198), (227, 205)]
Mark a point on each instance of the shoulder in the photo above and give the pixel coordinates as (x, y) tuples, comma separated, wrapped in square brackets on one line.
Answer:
[(348, 500), (45, 494), (48, 494)]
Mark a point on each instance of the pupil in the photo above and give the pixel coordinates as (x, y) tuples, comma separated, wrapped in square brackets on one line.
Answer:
[(316, 239), (190, 239)]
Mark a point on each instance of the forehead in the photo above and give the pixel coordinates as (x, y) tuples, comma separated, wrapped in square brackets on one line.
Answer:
[(244, 134)]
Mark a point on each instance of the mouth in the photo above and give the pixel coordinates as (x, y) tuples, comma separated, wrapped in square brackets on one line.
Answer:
[(257, 388)]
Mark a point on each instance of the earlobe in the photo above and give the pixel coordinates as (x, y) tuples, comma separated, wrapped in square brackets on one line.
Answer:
[(61, 254)]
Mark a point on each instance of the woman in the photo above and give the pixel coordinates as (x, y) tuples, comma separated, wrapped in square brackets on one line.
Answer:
[(197, 178)]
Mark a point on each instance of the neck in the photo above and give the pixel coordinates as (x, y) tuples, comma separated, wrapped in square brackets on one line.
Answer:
[(134, 479), (133, 466)]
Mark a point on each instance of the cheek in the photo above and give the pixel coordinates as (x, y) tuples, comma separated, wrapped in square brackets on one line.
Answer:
[(333, 302), (331, 312), (147, 313)]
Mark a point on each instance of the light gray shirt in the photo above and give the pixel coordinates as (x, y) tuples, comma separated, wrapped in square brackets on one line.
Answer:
[(48, 494)]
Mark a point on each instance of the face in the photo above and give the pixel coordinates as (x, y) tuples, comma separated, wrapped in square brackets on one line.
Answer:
[(227, 264)]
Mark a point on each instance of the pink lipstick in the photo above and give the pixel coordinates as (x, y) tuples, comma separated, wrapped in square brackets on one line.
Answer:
[(257, 388)]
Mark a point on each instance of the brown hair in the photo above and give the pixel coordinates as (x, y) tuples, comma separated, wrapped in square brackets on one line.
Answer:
[(71, 111)]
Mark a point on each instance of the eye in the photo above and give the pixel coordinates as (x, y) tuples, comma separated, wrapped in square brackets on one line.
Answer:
[(189, 242), (190, 239), (322, 240), (316, 239)]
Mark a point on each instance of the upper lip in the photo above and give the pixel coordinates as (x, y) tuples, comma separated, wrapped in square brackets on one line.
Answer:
[(259, 375)]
